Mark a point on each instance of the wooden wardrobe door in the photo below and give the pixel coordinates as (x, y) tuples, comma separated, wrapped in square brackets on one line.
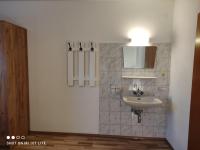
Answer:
[(14, 106), (18, 118), (194, 131), (3, 87), (21, 76)]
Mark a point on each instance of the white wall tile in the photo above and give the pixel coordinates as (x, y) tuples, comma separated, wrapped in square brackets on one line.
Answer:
[(115, 129), (115, 118), (126, 118), (160, 131), (126, 130), (104, 129), (115, 105), (148, 131), (118, 114), (104, 105), (137, 131), (104, 117)]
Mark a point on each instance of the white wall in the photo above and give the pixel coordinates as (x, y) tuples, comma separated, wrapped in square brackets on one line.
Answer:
[(54, 106), (185, 20)]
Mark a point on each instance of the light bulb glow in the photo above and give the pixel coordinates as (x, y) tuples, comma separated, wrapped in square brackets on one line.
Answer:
[(139, 37), (198, 40)]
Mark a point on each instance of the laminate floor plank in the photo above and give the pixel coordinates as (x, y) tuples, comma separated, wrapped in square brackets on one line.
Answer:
[(92, 142)]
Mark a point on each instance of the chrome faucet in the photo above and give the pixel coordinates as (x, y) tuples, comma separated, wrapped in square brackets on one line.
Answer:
[(137, 90)]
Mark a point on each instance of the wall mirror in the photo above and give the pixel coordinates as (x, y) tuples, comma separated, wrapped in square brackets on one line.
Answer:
[(139, 56)]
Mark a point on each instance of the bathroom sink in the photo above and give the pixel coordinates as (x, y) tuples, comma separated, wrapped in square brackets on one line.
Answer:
[(142, 102)]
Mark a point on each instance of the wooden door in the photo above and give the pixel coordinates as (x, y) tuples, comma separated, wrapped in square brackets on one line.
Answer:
[(3, 87), (194, 130), (17, 70), (14, 106), (150, 56)]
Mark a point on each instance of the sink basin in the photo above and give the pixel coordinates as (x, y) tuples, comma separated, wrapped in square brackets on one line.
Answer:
[(142, 102)]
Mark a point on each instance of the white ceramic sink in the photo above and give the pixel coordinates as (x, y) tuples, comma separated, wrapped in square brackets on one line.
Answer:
[(142, 102)]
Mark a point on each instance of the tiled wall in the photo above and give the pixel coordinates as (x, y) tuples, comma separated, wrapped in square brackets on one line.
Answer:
[(115, 115)]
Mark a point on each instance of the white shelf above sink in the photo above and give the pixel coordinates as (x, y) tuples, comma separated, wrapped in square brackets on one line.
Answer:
[(139, 77)]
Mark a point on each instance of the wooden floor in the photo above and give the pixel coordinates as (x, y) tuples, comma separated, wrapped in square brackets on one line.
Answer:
[(92, 142)]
